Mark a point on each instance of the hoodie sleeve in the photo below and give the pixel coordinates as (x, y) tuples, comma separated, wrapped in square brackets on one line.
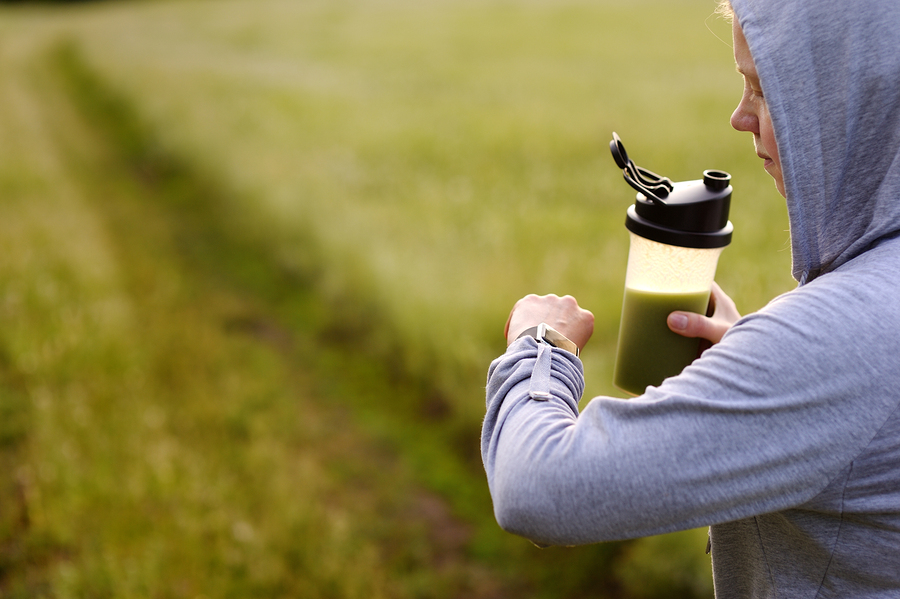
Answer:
[(762, 422)]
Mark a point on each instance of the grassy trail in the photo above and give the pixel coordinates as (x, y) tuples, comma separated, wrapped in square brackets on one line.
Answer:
[(178, 424), (236, 237), (174, 447)]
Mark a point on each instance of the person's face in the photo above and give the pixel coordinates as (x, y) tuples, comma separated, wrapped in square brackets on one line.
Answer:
[(752, 114)]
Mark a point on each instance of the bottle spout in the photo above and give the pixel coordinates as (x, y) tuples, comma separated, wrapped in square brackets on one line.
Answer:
[(716, 180)]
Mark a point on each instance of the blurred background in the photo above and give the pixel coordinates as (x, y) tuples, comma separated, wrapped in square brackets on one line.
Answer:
[(256, 256)]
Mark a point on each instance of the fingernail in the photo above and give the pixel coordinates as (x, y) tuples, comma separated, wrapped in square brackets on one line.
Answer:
[(678, 321)]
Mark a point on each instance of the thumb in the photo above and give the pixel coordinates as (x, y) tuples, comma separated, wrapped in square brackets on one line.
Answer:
[(688, 324)]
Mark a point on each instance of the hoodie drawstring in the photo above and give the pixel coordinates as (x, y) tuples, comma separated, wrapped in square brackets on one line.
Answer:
[(540, 376)]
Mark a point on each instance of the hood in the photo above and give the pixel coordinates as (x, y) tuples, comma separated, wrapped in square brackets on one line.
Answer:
[(830, 73)]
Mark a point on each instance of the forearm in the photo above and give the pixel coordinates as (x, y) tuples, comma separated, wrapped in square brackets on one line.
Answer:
[(527, 445), (556, 478), (559, 479), (708, 446)]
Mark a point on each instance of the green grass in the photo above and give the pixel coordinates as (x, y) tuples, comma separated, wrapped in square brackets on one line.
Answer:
[(430, 148), (257, 256)]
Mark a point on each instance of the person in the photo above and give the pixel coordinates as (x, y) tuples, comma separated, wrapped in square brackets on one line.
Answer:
[(784, 436)]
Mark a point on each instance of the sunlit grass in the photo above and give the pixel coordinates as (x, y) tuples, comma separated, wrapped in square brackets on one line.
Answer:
[(423, 165), (455, 154), (158, 436)]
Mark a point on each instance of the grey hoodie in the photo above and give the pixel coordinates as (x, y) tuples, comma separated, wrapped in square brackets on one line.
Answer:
[(785, 436)]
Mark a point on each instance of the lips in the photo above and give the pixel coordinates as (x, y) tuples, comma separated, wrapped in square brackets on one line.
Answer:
[(757, 145), (766, 160)]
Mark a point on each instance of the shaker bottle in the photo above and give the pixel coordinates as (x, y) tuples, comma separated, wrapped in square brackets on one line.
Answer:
[(678, 230)]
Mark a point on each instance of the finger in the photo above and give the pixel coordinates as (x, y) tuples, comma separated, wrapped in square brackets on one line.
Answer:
[(692, 325), (723, 304), (561, 313)]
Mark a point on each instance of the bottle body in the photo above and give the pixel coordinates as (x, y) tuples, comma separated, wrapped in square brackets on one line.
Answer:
[(660, 279)]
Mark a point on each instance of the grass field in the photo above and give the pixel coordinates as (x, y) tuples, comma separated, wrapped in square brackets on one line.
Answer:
[(258, 255)]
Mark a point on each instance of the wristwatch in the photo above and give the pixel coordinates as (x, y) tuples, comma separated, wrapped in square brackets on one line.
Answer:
[(544, 333)]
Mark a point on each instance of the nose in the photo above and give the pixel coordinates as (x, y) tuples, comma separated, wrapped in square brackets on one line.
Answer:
[(744, 119)]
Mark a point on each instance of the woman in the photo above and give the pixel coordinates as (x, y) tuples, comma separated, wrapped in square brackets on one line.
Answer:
[(785, 435)]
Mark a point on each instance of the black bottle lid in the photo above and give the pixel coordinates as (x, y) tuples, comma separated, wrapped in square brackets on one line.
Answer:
[(690, 214)]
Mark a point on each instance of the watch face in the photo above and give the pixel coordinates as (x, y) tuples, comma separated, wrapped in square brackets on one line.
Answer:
[(546, 334)]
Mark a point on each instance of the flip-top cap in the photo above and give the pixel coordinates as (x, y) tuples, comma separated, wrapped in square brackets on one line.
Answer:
[(690, 214), (694, 214)]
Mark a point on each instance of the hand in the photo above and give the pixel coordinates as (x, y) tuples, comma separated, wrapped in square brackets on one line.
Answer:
[(561, 313), (711, 328)]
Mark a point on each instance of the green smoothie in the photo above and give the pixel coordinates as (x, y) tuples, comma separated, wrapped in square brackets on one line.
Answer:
[(648, 351)]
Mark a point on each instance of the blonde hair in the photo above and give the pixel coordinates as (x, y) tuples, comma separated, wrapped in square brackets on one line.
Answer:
[(725, 11)]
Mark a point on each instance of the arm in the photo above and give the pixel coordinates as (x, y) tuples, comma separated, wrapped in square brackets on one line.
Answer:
[(762, 422)]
